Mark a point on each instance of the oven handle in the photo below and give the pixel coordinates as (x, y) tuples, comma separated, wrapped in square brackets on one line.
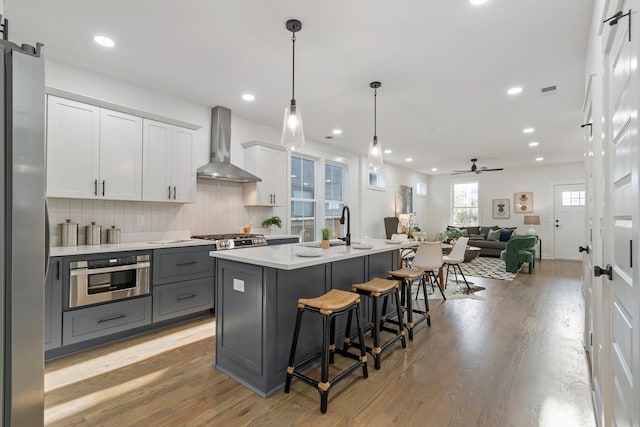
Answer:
[(87, 271)]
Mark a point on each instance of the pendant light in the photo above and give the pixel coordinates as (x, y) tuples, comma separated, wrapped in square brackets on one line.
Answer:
[(292, 133), (375, 148)]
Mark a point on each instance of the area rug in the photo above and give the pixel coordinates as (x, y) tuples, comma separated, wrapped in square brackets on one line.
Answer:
[(454, 291), (486, 267)]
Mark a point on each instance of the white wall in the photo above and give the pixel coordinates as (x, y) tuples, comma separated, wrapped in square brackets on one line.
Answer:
[(377, 204), (502, 185)]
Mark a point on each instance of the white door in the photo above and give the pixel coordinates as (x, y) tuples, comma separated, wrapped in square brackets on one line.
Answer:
[(594, 334), (183, 173), (569, 219), (620, 231), (120, 156), (73, 153), (156, 166)]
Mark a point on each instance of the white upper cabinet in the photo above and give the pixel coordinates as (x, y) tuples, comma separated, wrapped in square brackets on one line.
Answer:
[(270, 164), (169, 175), (73, 148), (120, 156), (92, 152)]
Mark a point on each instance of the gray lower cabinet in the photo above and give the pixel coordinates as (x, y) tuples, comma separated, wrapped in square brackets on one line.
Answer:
[(97, 321), (53, 305), (177, 299), (183, 281), (180, 264)]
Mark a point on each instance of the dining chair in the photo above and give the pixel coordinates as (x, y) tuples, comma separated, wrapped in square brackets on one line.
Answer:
[(406, 254), (429, 258), (391, 225), (455, 258)]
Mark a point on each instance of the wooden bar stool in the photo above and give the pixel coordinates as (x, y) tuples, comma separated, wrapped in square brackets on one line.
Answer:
[(332, 304), (407, 276), (375, 289)]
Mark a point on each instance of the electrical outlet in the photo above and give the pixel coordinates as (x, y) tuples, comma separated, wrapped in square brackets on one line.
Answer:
[(140, 220)]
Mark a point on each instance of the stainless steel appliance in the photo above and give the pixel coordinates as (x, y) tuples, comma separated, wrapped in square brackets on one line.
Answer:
[(108, 279), (234, 241), (24, 244)]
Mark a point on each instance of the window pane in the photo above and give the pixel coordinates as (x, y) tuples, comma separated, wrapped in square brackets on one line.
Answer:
[(465, 204), (303, 220), (296, 177)]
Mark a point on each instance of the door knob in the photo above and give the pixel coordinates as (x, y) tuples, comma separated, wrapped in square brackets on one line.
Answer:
[(583, 249), (599, 271)]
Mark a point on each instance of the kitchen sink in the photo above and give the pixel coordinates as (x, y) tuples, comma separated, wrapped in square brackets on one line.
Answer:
[(332, 242)]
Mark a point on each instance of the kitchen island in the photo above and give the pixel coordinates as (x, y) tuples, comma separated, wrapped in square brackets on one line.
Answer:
[(257, 290)]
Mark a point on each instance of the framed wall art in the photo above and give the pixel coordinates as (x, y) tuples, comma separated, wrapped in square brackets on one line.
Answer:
[(523, 202), (404, 200), (501, 208)]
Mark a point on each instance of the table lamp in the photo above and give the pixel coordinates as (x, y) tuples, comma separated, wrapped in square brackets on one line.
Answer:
[(532, 220)]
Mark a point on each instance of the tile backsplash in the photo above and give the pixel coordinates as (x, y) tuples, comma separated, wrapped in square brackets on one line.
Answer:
[(219, 208)]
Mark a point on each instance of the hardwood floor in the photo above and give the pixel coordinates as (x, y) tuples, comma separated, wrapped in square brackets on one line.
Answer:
[(512, 359)]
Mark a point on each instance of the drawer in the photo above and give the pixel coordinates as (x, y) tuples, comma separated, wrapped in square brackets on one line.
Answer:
[(178, 299), (179, 264), (93, 322)]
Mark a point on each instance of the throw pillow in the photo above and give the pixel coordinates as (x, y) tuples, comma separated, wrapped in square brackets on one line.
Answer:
[(494, 235), (505, 235)]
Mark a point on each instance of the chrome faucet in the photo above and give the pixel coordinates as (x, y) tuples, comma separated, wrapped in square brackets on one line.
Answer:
[(347, 238)]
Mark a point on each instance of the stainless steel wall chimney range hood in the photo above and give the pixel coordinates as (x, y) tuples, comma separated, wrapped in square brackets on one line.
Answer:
[(220, 167)]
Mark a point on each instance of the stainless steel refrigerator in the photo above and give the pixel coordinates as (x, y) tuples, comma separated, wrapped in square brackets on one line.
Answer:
[(23, 247)]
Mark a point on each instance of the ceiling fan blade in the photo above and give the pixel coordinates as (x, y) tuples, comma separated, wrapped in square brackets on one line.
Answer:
[(463, 171), (494, 169), (459, 172)]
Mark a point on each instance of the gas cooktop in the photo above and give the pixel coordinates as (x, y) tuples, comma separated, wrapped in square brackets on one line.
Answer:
[(234, 240)]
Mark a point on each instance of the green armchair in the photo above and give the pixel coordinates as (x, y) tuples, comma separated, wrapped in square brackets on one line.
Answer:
[(518, 252)]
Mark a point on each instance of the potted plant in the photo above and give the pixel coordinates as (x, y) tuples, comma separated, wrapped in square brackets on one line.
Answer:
[(451, 235), (272, 222), (325, 238)]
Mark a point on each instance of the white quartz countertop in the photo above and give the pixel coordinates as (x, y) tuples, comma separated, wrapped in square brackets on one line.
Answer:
[(290, 256), (128, 246)]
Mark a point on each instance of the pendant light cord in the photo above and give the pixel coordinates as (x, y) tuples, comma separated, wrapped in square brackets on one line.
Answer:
[(293, 69), (375, 115)]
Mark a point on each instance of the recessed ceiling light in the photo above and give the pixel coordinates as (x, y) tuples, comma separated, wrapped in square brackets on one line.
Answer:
[(514, 90), (408, 159), (534, 144), (477, 2), (337, 131), (104, 41), (539, 159), (528, 130), (387, 151), (248, 97), (434, 169)]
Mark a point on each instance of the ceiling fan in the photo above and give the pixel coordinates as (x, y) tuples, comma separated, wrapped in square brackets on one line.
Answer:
[(476, 169)]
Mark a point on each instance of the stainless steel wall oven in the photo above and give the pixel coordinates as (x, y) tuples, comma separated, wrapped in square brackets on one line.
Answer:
[(108, 279)]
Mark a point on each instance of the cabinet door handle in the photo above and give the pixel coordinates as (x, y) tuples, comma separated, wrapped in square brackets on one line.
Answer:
[(182, 264), (186, 297), (274, 199), (122, 316), (103, 187), (169, 187), (174, 192), (95, 187)]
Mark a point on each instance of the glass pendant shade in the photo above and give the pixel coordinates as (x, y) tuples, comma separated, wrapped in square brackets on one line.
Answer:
[(374, 157), (292, 132)]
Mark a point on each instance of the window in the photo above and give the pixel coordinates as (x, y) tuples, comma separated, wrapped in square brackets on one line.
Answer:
[(303, 202), (376, 181), (573, 198), (421, 189), (333, 200), (464, 208)]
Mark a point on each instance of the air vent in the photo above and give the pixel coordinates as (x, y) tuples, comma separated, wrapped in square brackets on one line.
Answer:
[(548, 89)]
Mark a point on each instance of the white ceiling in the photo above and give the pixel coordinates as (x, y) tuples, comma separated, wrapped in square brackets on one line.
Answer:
[(444, 65)]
